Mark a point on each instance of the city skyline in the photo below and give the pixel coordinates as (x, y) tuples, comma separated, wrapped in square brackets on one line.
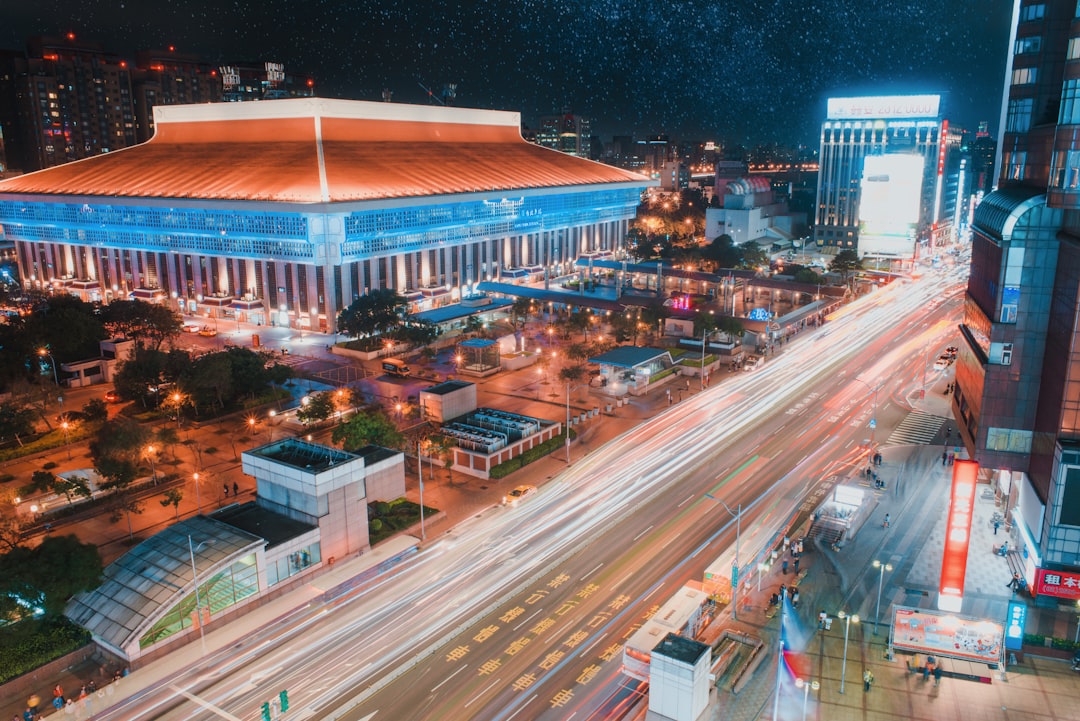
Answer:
[(746, 74)]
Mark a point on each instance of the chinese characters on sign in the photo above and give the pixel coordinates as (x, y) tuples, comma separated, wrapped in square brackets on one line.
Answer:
[(1061, 584)]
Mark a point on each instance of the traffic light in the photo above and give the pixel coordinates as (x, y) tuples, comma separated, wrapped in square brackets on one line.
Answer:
[(283, 698), (266, 711)]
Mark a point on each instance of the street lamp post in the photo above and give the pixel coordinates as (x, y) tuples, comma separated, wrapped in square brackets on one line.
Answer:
[(882, 568), (873, 413), (270, 426), (736, 569), (195, 577), (567, 429), (44, 353), (847, 619), (420, 472), (198, 498), (806, 686), (67, 446), (150, 454), (780, 656)]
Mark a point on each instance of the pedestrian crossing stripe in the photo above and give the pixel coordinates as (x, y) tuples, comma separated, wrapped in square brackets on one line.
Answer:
[(917, 428)]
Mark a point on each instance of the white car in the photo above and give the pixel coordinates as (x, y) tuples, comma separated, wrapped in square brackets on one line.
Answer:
[(517, 494), (191, 328), (941, 364)]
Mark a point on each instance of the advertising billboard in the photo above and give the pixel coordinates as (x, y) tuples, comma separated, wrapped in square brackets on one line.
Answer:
[(942, 634), (957, 535), (890, 196), (884, 106), (1014, 625), (1061, 584)]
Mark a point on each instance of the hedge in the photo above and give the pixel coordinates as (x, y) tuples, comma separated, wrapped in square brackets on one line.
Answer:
[(30, 644), (533, 454)]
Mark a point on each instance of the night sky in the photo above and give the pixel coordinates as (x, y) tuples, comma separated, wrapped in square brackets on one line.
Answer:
[(749, 71)]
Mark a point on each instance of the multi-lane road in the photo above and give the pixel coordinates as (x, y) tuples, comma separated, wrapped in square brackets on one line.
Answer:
[(522, 611)]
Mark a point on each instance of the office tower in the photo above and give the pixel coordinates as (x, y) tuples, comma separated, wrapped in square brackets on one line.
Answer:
[(567, 133), (1017, 398), (886, 128), (166, 77)]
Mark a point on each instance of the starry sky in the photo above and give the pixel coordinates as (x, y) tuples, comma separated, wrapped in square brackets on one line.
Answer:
[(737, 71)]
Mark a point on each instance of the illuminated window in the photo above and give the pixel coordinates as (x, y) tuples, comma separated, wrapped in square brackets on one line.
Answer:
[(1024, 76), (1070, 107), (1015, 164), (1028, 45), (1065, 170), (1074, 49)]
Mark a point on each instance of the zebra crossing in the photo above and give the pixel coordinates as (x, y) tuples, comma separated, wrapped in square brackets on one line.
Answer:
[(916, 428)]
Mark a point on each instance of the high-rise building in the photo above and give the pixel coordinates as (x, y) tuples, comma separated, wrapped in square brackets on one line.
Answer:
[(71, 100), (567, 133), (1017, 398), (166, 77), (889, 126)]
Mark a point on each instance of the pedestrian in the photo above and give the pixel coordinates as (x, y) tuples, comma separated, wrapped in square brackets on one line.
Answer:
[(226, 487), (669, 397), (997, 525), (886, 523), (688, 384), (58, 692), (944, 457), (28, 715), (795, 597), (1014, 583), (868, 679), (928, 668), (821, 618), (235, 489), (784, 566), (937, 675), (796, 566)]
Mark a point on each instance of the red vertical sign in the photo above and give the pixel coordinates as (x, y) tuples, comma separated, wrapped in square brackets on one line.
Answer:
[(957, 535)]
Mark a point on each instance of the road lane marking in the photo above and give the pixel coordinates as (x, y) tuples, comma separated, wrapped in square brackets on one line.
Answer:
[(635, 538), (477, 696), (531, 699), (592, 645), (686, 501), (595, 569), (455, 673), (205, 704), (539, 610)]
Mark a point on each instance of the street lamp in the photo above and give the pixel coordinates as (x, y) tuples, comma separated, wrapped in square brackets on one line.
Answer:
[(195, 577), (847, 619), (176, 398), (44, 353), (150, 454), (806, 686), (198, 499), (736, 568), (270, 426), (65, 425), (882, 568), (873, 412)]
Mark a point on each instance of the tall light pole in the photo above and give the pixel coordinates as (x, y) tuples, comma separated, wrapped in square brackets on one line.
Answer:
[(420, 471), (806, 686), (847, 619), (195, 577), (44, 353), (736, 569), (567, 429), (873, 412), (780, 657), (65, 425), (150, 454), (882, 568), (198, 498)]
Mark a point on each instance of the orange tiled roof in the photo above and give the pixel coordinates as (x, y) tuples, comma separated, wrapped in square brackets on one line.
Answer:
[(272, 153)]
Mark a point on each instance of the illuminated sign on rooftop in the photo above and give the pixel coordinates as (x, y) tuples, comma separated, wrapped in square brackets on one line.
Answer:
[(884, 106)]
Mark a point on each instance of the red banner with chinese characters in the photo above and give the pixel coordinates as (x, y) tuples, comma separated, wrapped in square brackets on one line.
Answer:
[(958, 530), (1062, 584)]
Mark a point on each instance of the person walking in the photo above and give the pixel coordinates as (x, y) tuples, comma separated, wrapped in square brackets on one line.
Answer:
[(821, 618), (235, 488), (784, 566), (226, 487), (796, 566), (885, 524), (868, 679), (937, 675)]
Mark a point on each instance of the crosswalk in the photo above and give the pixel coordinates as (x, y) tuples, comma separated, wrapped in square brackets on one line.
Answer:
[(917, 428)]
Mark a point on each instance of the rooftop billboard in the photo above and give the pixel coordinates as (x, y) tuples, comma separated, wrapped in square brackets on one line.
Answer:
[(884, 106)]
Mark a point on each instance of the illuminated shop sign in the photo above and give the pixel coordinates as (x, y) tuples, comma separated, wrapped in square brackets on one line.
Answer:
[(1061, 584), (957, 535)]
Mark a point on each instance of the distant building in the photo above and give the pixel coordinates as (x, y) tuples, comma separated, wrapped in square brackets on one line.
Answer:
[(752, 212), (857, 128), (567, 133), (674, 176), (166, 77)]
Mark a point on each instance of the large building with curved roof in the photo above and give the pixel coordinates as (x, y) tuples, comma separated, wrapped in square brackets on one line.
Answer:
[(283, 212)]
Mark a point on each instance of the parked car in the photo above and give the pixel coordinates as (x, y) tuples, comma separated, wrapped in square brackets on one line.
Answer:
[(112, 396), (753, 363), (518, 493), (941, 364), (191, 328)]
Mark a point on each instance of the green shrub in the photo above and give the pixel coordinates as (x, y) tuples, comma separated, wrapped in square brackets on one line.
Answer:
[(30, 644), (375, 526), (533, 454), (381, 508)]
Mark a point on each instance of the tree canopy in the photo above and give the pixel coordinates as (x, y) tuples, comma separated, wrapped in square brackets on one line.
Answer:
[(142, 322), (370, 426), (46, 576), (845, 263), (376, 312)]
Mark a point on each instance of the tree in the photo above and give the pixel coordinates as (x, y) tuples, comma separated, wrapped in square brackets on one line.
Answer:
[(414, 331), (441, 447), (572, 374), (40, 482), (16, 420), (71, 486), (318, 407), (46, 576), (521, 310), (173, 496), (140, 321), (723, 252), (210, 380), (731, 327), (845, 263), (753, 256), (376, 312), (370, 426), (95, 410), (808, 276)]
